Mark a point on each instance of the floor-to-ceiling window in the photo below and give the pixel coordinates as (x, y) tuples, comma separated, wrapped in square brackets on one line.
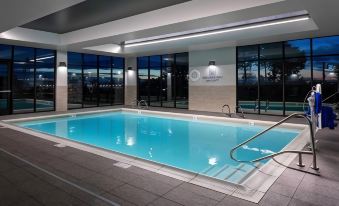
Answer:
[(95, 80), (30, 77), (247, 75), (163, 81), (286, 70)]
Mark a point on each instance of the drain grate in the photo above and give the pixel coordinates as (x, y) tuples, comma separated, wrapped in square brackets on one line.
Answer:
[(122, 165)]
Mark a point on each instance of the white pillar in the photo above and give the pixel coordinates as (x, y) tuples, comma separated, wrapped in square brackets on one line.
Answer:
[(61, 83), (130, 80)]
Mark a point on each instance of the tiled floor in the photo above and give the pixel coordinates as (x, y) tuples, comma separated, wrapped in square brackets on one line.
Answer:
[(23, 184)]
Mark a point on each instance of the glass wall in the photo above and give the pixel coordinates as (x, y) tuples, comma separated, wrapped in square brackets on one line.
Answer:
[(95, 80), (163, 81), (286, 70), (31, 77)]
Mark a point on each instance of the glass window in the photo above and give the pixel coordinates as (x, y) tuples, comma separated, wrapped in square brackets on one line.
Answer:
[(326, 45), (271, 79), (44, 75), (118, 86), (74, 58), (105, 61), (90, 60), (247, 90), (142, 62), (118, 62), (23, 80), (325, 71), (155, 81), (96, 81), (155, 61), (155, 86), (5, 52), (297, 83), (105, 86), (90, 86), (271, 51), (298, 48), (163, 80), (248, 53), (143, 84), (168, 60), (74, 86), (23, 55)]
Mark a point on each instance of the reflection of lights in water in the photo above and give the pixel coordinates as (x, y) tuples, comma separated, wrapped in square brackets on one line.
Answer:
[(118, 140), (130, 141), (71, 129), (170, 131), (212, 161), (262, 151), (150, 152)]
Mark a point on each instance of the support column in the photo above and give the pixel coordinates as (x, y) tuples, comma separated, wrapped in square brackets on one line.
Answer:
[(61, 97), (130, 80)]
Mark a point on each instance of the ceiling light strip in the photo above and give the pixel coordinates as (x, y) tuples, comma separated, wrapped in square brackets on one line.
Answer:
[(220, 31)]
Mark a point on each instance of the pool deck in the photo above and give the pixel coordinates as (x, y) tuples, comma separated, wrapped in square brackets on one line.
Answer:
[(81, 178)]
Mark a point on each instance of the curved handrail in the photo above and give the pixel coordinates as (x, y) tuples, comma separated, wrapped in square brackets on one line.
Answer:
[(286, 151), (140, 106), (242, 112), (242, 115), (229, 110)]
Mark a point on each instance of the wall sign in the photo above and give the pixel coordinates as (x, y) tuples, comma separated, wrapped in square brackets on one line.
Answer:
[(194, 75)]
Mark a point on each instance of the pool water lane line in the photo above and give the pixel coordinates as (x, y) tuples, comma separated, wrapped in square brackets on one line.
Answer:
[(60, 178)]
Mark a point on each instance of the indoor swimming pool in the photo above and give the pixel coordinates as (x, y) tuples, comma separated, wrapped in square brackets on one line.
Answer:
[(196, 146)]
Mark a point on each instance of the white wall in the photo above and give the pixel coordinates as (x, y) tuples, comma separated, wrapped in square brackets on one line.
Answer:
[(216, 85)]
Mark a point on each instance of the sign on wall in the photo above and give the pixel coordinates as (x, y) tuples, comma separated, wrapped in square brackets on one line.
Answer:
[(212, 75)]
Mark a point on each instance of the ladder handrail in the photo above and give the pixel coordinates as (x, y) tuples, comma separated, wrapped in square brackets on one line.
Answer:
[(241, 110), (286, 151), (142, 101), (229, 110)]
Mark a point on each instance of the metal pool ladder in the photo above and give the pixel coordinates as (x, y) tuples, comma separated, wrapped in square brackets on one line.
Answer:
[(299, 152), (142, 104), (229, 114)]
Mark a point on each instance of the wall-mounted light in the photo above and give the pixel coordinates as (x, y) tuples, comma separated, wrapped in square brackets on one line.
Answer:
[(211, 63), (129, 68), (212, 69), (62, 64)]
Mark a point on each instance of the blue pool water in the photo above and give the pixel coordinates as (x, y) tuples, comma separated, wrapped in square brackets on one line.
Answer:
[(197, 146)]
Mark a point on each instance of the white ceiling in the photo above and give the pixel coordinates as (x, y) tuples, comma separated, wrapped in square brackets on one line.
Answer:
[(192, 15)]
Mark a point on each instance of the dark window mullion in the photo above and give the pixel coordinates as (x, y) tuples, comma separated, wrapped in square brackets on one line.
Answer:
[(34, 80)]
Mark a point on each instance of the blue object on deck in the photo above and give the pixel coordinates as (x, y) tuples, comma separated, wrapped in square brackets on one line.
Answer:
[(317, 105), (328, 117)]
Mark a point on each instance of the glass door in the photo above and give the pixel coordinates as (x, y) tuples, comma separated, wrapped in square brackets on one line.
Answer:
[(4, 89)]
